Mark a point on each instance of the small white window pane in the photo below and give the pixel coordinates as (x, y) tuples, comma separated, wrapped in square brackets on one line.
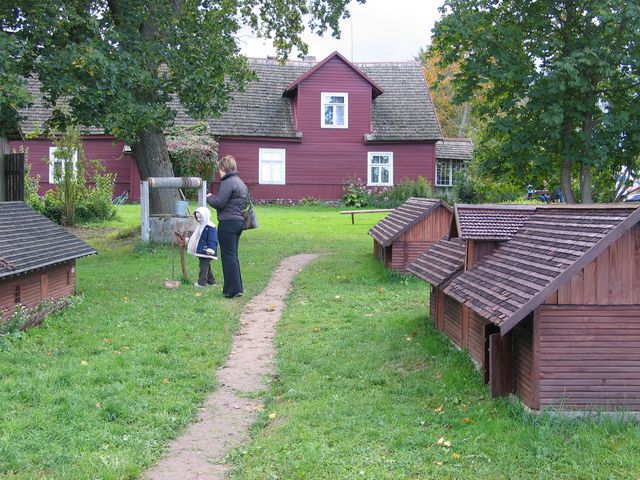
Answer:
[(336, 99), (385, 174), (339, 115), (374, 175), (328, 115)]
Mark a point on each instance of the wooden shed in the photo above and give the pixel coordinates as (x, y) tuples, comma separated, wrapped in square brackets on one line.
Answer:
[(561, 299), (37, 258), (409, 229), (438, 265), (475, 231)]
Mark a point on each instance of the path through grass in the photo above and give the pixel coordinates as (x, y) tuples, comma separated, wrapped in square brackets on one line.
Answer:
[(366, 388)]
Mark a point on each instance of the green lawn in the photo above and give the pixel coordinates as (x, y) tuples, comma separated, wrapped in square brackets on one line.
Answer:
[(365, 387)]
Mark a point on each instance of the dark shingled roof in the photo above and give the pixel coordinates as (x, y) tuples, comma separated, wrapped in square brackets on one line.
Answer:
[(454, 149), (511, 281), (404, 112), (29, 241), (439, 263), (490, 221), (403, 218)]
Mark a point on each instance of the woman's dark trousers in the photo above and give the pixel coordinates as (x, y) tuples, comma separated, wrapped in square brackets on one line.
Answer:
[(229, 232), (206, 275)]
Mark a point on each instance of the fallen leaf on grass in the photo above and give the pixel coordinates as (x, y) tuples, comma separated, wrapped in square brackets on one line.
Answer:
[(443, 443), (437, 462), (455, 455), (198, 294), (467, 420), (408, 339), (272, 415), (438, 376), (316, 329), (259, 407), (84, 363), (440, 409), (108, 340), (381, 290), (98, 405), (165, 381)]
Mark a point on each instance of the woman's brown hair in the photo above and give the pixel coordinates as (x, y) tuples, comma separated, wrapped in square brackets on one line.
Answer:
[(228, 164)]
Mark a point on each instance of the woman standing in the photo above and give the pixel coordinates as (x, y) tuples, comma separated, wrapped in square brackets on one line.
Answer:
[(230, 203)]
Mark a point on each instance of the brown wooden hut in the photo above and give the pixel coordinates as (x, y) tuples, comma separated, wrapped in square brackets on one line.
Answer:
[(561, 305), (37, 258), (477, 229), (409, 229), (438, 265)]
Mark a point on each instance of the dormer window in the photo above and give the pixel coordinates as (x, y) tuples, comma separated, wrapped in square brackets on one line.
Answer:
[(335, 110)]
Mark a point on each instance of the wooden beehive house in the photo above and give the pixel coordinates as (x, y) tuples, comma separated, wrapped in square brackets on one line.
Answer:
[(410, 229)]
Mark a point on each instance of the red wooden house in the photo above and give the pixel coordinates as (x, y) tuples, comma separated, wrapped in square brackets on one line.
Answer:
[(563, 299), (301, 129), (408, 230), (37, 258)]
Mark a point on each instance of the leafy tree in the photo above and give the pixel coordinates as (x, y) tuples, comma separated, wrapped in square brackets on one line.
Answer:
[(121, 64), (455, 118), (560, 83)]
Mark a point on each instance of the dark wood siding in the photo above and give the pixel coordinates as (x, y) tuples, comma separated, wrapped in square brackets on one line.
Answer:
[(433, 308), (36, 286), (611, 279), (453, 320), (589, 357), (476, 249), (522, 342), (475, 341)]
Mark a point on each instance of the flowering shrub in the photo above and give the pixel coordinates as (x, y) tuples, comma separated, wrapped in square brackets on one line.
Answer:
[(354, 193), (193, 151)]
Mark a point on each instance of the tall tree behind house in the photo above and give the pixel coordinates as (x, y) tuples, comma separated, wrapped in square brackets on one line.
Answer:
[(560, 83), (122, 65)]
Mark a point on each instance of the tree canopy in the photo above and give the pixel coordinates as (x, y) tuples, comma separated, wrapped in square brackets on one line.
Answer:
[(560, 83), (123, 64)]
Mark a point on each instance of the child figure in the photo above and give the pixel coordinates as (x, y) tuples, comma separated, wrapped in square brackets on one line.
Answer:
[(204, 245)]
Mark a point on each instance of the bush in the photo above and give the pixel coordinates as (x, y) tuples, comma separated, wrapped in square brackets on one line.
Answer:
[(73, 199), (355, 193), (193, 151)]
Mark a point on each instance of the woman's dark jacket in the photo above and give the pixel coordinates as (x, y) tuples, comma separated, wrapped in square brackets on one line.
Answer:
[(231, 199)]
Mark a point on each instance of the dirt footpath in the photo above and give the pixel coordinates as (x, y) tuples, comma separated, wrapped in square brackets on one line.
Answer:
[(226, 415)]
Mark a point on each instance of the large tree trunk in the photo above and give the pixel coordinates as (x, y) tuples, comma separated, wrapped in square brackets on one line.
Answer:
[(152, 159), (567, 163), (585, 184), (585, 173)]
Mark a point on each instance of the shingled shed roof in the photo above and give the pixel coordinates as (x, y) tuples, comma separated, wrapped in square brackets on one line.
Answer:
[(439, 263), (511, 281), (29, 241), (403, 111), (454, 149), (403, 218), (489, 221)]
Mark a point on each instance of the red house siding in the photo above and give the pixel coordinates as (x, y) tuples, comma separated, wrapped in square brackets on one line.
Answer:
[(97, 147), (319, 163), (36, 286)]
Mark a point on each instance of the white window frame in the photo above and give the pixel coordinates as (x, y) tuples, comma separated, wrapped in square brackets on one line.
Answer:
[(448, 164), (370, 156), (324, 103), (283, 168), (52, 162)]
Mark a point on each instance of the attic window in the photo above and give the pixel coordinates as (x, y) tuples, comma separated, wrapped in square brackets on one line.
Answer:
[(56, 165), (335, 110), (16, 295)]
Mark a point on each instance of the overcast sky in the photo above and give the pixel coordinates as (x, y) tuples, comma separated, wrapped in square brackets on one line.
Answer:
[(382, 30)]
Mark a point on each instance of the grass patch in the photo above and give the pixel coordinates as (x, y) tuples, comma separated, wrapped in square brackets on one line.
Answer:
[(365, 387)]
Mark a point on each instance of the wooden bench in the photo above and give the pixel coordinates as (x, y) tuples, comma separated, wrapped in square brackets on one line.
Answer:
[(354, 212)]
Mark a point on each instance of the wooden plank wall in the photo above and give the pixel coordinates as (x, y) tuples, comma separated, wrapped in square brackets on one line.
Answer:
[(431, 228), (611, 279), (589, 357), (36, 286), (523, 379), (433, 306), (476, 249), (476, 337), (453, 320)]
